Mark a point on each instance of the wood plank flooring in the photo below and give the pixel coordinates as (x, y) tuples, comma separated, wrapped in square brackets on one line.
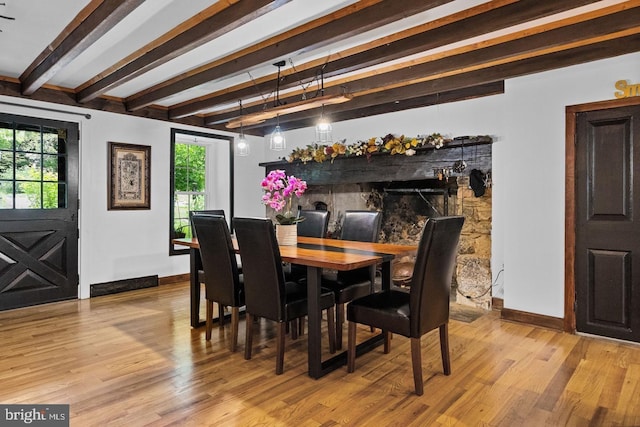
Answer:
[(131, 359)]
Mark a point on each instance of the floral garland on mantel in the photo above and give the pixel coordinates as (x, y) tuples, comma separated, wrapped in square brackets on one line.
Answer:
[(391, 144)]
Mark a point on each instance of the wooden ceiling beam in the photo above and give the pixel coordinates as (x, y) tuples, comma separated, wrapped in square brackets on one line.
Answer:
[(184, 39), (605, 48), (477, 56), (94, 21), (398, 101), (334, 27), (469, 23)]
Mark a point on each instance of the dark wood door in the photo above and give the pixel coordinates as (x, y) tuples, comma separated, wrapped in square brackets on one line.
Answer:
[(38, 211), (608, 223)]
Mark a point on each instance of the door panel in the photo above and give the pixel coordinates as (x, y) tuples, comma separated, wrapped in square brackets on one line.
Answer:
[(607, 227), (38, 211)]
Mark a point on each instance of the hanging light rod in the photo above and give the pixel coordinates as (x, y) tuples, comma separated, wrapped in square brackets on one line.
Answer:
[(281, 110)]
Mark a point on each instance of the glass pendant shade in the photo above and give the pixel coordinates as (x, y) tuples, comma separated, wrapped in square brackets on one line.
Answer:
[(278, 142), (242, 146), (323, 131)]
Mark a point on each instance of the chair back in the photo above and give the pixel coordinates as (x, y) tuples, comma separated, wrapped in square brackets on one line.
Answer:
[(315, 224), (217, 212), (362, 226), (432, 274), (221, 277), (264, 282)]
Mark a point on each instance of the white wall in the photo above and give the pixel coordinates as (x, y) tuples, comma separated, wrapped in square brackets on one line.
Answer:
[(248, 176), (528, 126), (118, 245), (534, 172), (527, 123)]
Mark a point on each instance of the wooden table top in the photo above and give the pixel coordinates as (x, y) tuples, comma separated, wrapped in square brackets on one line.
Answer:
[(331, 253)]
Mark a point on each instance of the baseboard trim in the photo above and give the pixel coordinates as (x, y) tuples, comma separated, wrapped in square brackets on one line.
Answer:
[(107, 288), (172, 280), (497, 304), (532, 319)]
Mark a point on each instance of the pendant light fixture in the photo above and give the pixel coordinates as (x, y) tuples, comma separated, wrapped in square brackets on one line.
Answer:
[(323, 130), (283, 109), (278, 141), (323, 126), (242, 146)]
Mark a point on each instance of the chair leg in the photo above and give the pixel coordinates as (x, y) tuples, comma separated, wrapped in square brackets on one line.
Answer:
[(339, 325), (209, 322), (444, 348), (248, 336), (221, 316), (372, 288), (301, 325), (416, 359), (387, 341), (351, 347), (332, 329), (294, 329), (235, 319), (280, 348)]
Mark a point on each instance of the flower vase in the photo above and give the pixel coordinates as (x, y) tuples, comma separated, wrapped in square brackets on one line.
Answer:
[(287, 235)]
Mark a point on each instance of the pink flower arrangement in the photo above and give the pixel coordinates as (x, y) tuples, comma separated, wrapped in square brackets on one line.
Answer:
[(279, 190)]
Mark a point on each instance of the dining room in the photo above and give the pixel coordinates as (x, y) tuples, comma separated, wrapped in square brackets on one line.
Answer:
[(97, 299)]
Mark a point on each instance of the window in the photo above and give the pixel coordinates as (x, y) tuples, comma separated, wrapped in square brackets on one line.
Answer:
[(189, 171), (33, 162), (201, 178)]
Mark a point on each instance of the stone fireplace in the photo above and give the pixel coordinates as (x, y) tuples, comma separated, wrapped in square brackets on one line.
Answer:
[(408, 191)]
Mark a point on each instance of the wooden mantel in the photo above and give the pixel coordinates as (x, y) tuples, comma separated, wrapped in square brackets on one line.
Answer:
[(383, 167)]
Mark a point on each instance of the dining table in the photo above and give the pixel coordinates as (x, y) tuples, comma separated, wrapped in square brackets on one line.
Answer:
[(316, 254)]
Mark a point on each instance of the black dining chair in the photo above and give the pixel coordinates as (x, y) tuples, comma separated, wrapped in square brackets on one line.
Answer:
[(362, 226), (315, 224), (267, 294), (218, 212), (424, 308), (194, 234), (222, 280)]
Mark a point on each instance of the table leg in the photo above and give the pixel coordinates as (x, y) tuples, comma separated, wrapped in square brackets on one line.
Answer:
[(194, 266), (318, 368), (314, 277), (386, 275)]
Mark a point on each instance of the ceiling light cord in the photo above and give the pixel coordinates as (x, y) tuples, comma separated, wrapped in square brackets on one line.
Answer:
[(277, 102)]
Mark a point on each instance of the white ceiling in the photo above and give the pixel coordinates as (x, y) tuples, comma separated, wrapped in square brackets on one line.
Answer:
[(38, 22)]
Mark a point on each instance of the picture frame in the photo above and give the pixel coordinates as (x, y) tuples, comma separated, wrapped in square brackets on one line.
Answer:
[(129, 176)]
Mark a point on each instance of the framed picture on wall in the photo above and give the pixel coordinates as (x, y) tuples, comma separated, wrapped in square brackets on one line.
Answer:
[(129, 176)]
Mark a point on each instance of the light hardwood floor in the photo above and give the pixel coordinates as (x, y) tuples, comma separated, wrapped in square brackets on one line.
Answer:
[(131, 359)]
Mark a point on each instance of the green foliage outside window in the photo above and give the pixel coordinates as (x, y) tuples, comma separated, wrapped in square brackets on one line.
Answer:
[(31, 172), (189, 177), (190, 167)]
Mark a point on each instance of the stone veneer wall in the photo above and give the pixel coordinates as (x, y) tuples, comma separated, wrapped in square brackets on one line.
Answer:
[(473, 271)]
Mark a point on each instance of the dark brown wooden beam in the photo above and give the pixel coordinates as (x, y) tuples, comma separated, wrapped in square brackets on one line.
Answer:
[(365, 19), (581, 54), (56, 96), (515, 50), (396, 100), (463, 25), (94, 21), (221, 23)]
